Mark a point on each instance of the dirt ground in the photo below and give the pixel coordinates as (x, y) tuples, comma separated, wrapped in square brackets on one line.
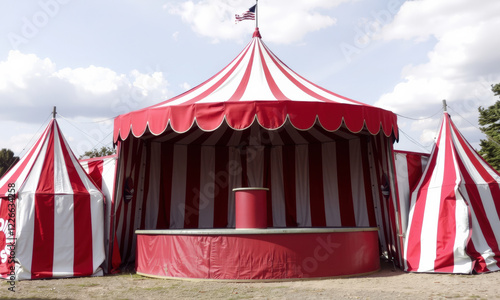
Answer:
[(384, 284)]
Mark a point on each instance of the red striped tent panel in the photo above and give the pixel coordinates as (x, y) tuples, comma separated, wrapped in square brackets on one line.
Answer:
[(255, 86), (59, 212), (454, 221)]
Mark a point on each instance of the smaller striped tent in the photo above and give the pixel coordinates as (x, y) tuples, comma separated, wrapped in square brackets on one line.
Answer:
[(52, 214), (454, 220)]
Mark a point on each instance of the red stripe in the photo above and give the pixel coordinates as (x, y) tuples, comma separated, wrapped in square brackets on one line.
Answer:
[(217, 84), (43, 231), (95, 169), (474, 198), (301, 86), (83, 259), (221, 179), (277, 93), (414, 246), (482, 218), (192, 200), (413, 250), (316, 196), (446, 233), (167, 162), (210, 79), (492, 183), (288, 153), (370, 206), (347, 216), (4, 189), (244, 81), (415, 170)]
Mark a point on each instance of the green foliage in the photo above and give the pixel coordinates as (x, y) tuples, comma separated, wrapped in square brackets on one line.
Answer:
[(489, 119), (7, 160), (104, 151)]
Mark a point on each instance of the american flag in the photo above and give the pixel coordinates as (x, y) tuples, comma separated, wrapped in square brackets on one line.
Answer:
[(248, 15)]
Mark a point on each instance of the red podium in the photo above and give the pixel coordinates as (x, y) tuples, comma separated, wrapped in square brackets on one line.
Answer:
[(250, 207)]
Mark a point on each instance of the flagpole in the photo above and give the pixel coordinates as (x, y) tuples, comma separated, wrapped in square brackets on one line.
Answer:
[(256, 13)]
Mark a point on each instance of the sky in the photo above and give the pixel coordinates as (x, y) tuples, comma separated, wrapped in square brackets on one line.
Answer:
[(95, 60)]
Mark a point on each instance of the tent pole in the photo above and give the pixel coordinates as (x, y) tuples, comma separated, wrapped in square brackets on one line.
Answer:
[(256, 13), (444, 105), (54, 113)]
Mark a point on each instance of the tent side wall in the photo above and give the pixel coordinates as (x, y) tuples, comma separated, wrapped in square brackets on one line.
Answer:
[(190, 186)]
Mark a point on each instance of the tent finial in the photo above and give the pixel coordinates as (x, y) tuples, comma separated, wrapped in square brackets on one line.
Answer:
[(54, 113), (444, 105)]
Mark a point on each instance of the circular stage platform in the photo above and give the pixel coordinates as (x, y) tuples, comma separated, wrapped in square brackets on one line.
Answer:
[(257, 254)]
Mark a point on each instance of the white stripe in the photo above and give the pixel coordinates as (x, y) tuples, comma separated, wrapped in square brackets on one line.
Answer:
[(25, 215), (462, 262), (25, 226), (97, 215), (64, 236), (303, 203), (330, 184), (357, 184), (258, 87), (482, 186), (177, 203), (230, 85), (403, 186), (24, 173), (62, 183), (428, 238), (207, 85), (278, 193)]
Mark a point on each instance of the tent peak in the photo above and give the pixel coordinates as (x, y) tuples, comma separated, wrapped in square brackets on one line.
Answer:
[(256, 33)]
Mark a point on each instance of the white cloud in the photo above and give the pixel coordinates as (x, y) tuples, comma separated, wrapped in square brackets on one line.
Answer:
[(185, 86), (290, 20), (30, 86), (460, 68)]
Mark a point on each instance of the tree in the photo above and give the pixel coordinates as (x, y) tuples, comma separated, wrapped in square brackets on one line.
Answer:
[(489, 119), (7, 160), (104, 151)]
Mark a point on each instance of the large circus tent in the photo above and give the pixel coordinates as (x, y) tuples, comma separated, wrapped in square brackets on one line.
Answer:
[(325, 158)]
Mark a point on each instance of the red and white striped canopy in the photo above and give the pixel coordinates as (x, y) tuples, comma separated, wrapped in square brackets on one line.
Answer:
[(256, 86), (59, 212), (454, 221)]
